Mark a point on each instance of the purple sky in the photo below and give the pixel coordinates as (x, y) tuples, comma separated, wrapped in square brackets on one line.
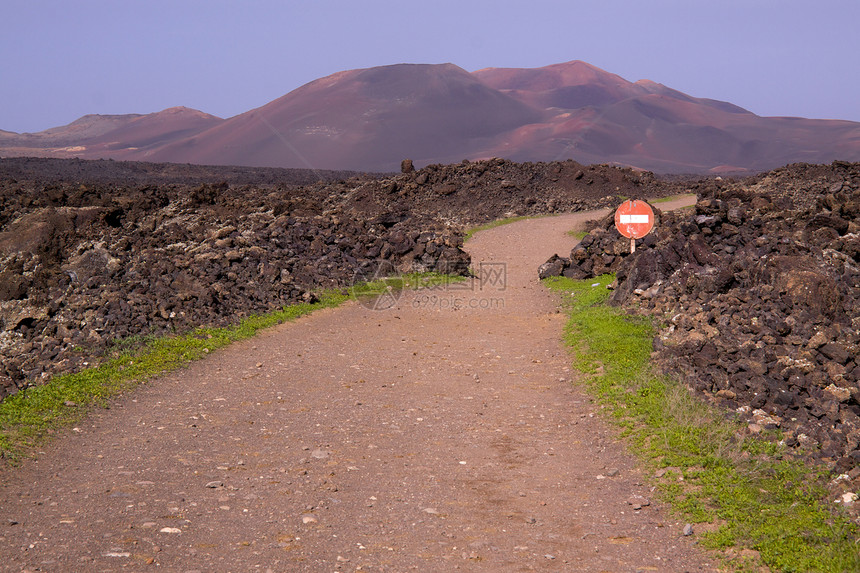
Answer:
[(61, 59)]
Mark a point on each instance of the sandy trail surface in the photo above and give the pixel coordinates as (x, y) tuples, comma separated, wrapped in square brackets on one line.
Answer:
[(445, 432)]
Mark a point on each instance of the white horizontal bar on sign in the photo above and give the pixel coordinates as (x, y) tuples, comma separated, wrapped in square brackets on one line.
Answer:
[(629, 219)]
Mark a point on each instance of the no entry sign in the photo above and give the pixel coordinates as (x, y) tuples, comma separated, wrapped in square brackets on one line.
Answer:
[(634, 219)]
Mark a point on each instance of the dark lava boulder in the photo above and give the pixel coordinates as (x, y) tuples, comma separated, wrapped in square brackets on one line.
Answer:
[(758, 291)]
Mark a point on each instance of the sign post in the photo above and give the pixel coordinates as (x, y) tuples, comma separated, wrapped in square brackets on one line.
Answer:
[(634, 219)]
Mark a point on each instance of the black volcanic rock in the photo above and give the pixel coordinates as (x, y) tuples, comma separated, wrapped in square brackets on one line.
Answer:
[(759, 291), (91, 254)]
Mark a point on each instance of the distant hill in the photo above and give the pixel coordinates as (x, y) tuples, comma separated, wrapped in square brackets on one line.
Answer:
[(371, 119)]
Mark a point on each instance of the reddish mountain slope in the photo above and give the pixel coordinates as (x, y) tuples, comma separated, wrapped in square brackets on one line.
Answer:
[(371, 119), (155, 128), (365, 120), (78, 131), (566, 86), (600, 117), (102, 136)]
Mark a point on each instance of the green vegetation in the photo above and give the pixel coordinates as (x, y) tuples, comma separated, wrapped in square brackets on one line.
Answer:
[(745, 487), (499, 223), (578, 235), (672, 198), (401, 282), (35, 413)]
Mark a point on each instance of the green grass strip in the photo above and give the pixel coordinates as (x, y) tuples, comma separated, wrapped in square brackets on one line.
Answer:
[(577, 234), (30, 416), (671, 198), (749, 491), (498, 223), (402, 282)]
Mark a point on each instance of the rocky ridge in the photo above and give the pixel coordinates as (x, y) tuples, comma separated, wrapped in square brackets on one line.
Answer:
[(88, 261), (758, 293)]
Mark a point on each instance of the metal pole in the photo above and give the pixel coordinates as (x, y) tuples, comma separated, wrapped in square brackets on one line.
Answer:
[(632, 245)]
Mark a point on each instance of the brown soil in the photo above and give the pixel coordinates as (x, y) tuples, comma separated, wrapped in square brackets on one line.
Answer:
[(446, 432)]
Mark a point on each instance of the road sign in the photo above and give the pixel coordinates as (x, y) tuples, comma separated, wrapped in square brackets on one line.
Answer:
[(634, 219)]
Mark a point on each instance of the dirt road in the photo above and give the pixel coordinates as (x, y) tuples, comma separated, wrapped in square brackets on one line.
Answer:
[(443, 433)]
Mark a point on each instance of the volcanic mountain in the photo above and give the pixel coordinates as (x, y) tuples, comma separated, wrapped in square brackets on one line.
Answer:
[(109, 136), (365, 120), (371, 119)]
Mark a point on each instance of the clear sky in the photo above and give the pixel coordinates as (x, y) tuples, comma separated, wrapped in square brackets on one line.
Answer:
[(61, 59)]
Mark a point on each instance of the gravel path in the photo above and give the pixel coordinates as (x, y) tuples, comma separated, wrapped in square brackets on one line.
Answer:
[(442, 433)]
